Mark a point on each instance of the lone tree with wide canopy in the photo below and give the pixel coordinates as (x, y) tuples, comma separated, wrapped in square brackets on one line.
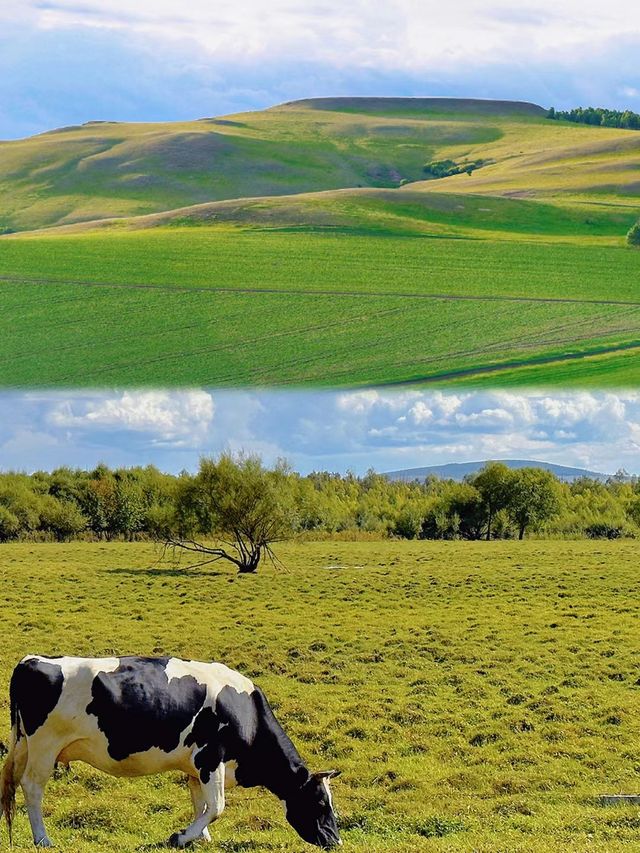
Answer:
[(234, 509)]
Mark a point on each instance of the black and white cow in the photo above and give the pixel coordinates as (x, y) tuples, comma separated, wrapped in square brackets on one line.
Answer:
[(134, 716)]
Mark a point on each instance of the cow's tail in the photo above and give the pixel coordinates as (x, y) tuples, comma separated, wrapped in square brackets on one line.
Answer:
[(13, 766)]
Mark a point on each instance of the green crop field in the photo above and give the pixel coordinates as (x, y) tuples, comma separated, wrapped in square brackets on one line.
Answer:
[(224, 306), (476, 696), (303, 244)]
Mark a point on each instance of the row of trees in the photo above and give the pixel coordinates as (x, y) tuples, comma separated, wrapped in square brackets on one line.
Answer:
[(236, 509), (598, 116)]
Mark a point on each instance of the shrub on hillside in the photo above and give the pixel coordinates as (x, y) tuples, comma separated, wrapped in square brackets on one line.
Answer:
[(446, 168), (633, 235)]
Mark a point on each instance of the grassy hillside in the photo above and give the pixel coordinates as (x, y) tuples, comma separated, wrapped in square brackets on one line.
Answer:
[(475, 696), (304, 244), (380, 212), (104, 169)]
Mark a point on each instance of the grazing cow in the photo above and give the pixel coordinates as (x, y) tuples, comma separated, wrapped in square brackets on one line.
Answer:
[(135, 716)]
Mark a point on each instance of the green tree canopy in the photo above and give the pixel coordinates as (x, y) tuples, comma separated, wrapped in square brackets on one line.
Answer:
[(235, 510), (534, 496), (493, 483)]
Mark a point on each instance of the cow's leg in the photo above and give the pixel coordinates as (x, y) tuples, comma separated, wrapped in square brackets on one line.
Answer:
[(199, 805), (34, 779), (213, 797)]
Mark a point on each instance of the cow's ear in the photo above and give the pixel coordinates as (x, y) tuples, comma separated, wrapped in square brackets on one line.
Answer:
[(327, 774)]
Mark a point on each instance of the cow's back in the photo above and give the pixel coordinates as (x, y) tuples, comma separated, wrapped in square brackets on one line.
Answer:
[(128, 715)]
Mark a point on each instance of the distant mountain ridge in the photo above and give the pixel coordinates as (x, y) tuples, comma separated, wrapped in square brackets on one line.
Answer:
[(459, 470)]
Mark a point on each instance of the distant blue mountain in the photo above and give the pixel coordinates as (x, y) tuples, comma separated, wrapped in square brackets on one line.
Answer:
[(459, 470)]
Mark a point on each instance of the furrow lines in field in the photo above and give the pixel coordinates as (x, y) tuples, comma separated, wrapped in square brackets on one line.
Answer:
[(505, 343), (117, 336), (255, 375), (590, 323), (265, 373), (233, 345), (256, 291)]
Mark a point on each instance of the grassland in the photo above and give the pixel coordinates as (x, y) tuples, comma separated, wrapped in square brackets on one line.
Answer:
[(103, 169), (229, 306), (150, 265), (476, 696), (107, 168)]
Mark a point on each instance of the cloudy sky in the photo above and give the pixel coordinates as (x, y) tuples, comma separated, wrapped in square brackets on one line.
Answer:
[(334, 431), (68, 61)]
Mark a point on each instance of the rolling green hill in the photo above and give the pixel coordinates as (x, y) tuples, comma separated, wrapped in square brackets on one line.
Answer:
[(103, 169), (516, 273), (106, 169)]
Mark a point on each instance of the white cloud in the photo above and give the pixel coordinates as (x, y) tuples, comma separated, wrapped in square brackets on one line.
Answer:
[(420, 413), (166, 416), (400, 34), (358, 403)]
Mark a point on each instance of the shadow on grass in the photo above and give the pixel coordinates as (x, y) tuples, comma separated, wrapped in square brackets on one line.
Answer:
[(172, 572), (225, 846)]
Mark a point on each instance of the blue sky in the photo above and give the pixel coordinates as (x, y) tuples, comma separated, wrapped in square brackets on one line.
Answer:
[(329, 430), (68, 61)]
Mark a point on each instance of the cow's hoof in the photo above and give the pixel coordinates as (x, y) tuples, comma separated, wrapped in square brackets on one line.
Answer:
[(177, 840), (44, 842)]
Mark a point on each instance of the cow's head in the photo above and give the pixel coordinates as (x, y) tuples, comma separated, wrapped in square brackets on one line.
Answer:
[(309, 810)]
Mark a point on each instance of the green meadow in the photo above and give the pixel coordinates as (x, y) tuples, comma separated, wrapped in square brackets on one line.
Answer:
[(305, 245), (475, 696), (231, 306)]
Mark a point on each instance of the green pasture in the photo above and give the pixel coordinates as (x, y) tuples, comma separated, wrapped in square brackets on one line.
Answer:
[(222, 305), (312, 261), (302, 244), (476, 696)]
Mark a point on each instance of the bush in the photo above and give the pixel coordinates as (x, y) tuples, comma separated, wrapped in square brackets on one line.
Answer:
[(63, 519), (409, 523), (9, 524), (633, 235), (244, 507), (446, 168), (602, 530)]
